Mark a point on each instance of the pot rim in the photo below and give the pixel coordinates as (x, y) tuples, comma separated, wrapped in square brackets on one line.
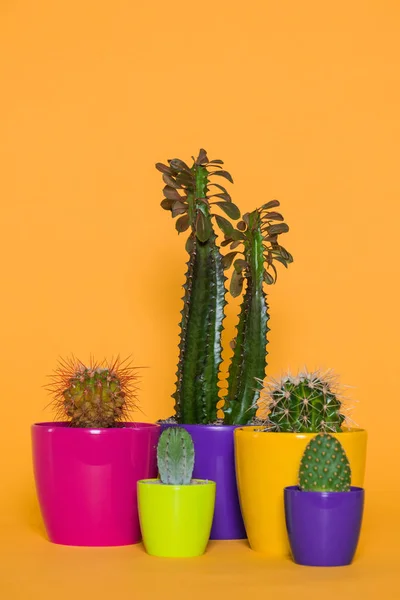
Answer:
[(64, 426), (209, 426), (294, 490), (299, 434), (206, 482)]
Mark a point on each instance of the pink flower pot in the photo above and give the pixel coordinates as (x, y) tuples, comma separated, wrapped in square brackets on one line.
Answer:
[(86, 480)]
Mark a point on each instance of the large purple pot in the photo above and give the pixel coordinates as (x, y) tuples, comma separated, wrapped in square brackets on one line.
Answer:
[(86, 480), (323, 527), (215, 460)]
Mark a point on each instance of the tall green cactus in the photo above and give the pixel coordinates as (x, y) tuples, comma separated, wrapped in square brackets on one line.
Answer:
[(175, 456), (257, 234), (187, 195)]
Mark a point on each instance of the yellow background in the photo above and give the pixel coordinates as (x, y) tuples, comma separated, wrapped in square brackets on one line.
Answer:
[(301, 100)]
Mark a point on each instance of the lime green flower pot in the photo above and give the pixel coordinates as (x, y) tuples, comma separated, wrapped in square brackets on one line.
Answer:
[(176, 519)]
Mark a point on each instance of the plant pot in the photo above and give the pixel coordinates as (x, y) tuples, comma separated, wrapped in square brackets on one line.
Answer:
[(266, 463), (86, 480), (215, 460), (176, 519), (323, 527)]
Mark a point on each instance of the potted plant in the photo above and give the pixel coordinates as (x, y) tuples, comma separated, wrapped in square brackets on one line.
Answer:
[(175, 510), (267, 456), (86, 466), (324, 513), (193, 194)]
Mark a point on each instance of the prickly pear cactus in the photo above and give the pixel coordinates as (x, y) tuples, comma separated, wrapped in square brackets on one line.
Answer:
[(325, 466), (255, 249), (192, 195), (309, 402), (99, 395), (175, 456)]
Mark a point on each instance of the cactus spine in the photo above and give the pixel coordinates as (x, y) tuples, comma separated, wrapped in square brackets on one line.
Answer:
[(325, 466), (309, 402), (175, 456), (187, 195), (99, 395), (258, 234)]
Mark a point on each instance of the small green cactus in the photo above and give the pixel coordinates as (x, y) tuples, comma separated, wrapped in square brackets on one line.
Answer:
[(325, 466), (99, 395), (175, 456), (310, 402)]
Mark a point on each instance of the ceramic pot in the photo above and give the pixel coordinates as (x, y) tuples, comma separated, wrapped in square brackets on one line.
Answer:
[(86, 480), (266, 463), (323, 527), (176, 519)]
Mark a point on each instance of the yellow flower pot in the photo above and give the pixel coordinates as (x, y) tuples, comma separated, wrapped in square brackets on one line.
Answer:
[(176, 519), (267, 462)]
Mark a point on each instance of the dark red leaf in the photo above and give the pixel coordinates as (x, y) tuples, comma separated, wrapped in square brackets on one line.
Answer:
[(273, 216), (235, 244), (182, 223), (240, 264), (225, 174), (203, 227), (236, 284), (278, 229), (170, 193), (241, 226), (170, 181), (163, 168), (167, 204), (226, 242), (230, 209), (216, 161), (220, 187), (228, 259), (225, 226), (189, 244), (268, 278), (224, 196), (270, 204), (246, 218), (202, 159), (179, 208), (179, 165)]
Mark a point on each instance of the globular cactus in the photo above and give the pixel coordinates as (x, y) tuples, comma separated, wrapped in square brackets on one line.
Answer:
[(175, 456), (325, 466), (309, 402), (255, 249), (191, 194), (99, 395)]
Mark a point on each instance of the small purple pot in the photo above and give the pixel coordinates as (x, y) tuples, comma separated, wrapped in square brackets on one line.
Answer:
[(215, 460), (323, 527), (86, 480)]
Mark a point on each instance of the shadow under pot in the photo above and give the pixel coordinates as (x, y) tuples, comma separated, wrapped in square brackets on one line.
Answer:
[(323, 527), (86, 480)]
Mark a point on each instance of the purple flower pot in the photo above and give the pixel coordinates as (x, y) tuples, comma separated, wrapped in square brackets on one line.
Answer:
[(215, 460), (86, 480), (323, 527)]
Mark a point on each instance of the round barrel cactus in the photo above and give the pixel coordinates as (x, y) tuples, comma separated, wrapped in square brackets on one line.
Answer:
[(309, 402), (99, 395)]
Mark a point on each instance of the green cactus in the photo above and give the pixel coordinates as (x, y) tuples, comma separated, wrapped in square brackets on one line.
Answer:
[(324, 466), (187, 195), (258, 234), (309, 402), (99, 395), (175, 456)]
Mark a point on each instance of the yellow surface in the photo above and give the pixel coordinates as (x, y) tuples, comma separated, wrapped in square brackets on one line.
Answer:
[(176, 519), (301, 100), (268, 462)]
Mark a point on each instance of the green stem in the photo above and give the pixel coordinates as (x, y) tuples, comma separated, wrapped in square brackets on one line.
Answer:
[(249, 356)]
